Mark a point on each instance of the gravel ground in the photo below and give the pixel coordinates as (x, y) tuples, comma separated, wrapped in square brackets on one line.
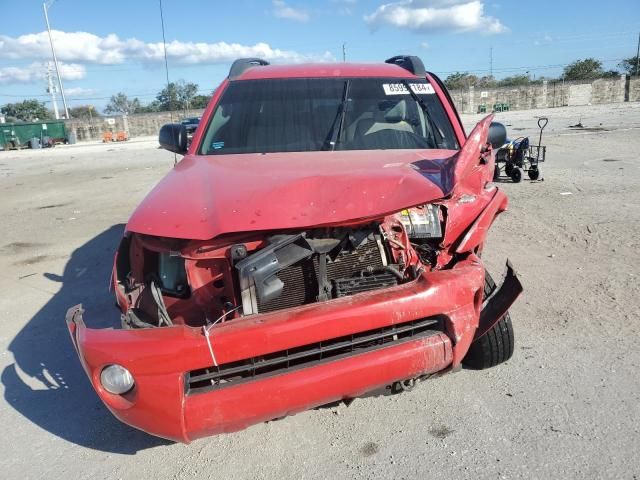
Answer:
[(566, 405)]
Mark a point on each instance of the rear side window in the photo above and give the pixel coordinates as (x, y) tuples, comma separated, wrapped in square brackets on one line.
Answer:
[(302, 115)]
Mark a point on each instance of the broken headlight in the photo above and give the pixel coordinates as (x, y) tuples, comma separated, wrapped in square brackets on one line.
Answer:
[(422, 221)]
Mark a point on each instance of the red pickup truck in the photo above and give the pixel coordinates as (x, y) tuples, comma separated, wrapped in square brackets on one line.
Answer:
[(320, 239)]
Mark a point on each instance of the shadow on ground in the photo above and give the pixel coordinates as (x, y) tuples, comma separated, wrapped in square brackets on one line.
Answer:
[(64, 402)]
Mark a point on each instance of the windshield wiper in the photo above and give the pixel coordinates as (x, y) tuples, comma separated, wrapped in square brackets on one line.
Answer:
[(336, 129), (432, 125)]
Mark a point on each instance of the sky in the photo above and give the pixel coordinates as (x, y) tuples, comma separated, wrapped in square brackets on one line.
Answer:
[(106, 48)]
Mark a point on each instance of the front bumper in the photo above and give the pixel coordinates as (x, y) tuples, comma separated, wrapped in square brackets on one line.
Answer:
[(160, 358)]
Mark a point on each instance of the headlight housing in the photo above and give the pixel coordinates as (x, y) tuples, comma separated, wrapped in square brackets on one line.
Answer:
[(116, 379), (422, 222)]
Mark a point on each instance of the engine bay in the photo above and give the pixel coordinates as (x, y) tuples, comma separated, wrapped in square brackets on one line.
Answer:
[(163, 281)]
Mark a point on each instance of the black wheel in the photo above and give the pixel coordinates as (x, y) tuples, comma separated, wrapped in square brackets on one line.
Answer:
[(508, 168), (495, 346), (496, 173), (516, 175), (534, 173)]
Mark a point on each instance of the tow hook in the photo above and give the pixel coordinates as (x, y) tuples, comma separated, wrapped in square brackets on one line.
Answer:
[(404, 385)]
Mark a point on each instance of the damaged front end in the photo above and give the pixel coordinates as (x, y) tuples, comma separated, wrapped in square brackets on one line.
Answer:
[(212, 328), (162, 282), (225, 330)]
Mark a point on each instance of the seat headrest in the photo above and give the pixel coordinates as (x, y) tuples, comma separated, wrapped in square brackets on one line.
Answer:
[(398, 113)]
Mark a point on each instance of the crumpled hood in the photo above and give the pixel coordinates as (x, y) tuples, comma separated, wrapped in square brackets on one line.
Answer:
[(206, 196)]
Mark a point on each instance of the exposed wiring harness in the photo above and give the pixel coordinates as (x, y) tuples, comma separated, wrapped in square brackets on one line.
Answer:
[(163, 315)]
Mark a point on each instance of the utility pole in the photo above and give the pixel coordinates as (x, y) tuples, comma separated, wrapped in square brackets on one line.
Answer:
[(344, 52), (491, 61), (52, 91), (638, 57), (45, 7)]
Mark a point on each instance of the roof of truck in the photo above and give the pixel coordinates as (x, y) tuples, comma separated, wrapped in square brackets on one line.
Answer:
[(321, 70)]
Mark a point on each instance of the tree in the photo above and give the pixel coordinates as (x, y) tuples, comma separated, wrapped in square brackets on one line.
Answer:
[(459, 80), (200, 101), (120, 104), (630, 64), (26, 111), (586, 69), (85, 112), (150, 107), (177, 95), (186, 92), (611, 74), (488, 81), (515, 81), (168, 97)]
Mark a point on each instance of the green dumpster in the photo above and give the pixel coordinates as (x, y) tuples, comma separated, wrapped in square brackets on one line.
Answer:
[(17, 135), (501, 107)]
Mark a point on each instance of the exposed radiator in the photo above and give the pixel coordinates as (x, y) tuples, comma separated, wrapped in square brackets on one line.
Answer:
[(301, 280)]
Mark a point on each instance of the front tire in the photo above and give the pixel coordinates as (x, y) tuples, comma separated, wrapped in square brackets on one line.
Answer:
[(494, 347)]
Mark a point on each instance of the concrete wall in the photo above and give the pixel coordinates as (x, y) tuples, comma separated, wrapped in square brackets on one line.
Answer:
[(550, 94), (136, 125), (544, 95), (634, 90)]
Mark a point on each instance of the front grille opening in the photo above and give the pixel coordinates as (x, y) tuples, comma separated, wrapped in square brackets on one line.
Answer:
[(305, 356), (301, 279)]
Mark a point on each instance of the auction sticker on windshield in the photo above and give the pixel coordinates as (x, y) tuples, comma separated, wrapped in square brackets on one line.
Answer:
[(400, 89)]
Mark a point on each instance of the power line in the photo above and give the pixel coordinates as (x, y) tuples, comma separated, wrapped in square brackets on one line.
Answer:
[(523, 68)]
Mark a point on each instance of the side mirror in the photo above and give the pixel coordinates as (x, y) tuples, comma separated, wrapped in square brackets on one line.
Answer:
[(497, 135), (173, 137)]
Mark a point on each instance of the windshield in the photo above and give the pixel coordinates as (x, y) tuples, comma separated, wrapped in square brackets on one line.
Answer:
[(306, 115)]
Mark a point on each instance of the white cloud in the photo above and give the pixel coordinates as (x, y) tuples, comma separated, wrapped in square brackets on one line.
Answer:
[(546, 39), (282, 10), (38, 72), (345, 7), (86, 47), (70, 46), (78, 92), (210, 53), (436, 15)]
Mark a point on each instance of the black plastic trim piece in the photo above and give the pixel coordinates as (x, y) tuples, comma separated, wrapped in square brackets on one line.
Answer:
[(410, 63), (242, 64), (497, 305), (306, 356), (262, 266)]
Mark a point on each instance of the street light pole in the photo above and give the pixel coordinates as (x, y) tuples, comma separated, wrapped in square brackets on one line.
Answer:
[(45, 7), (52, 92)]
